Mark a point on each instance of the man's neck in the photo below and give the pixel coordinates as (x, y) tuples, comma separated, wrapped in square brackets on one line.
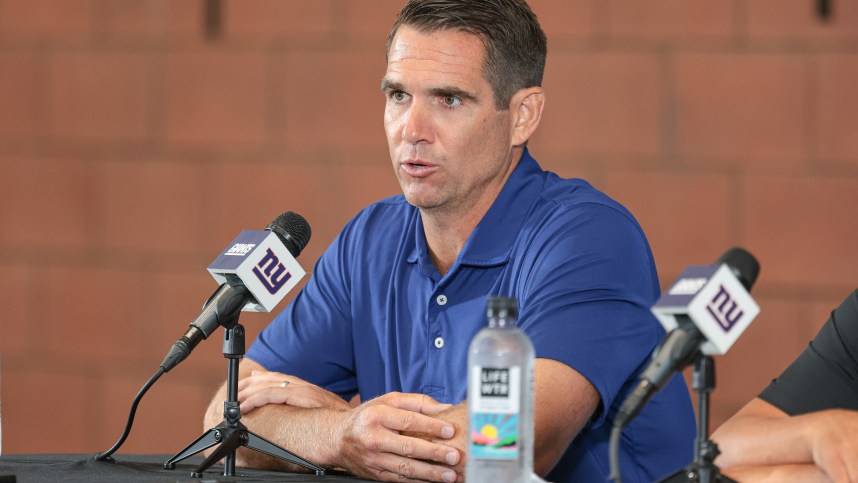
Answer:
[(446, 235), (447, 231)]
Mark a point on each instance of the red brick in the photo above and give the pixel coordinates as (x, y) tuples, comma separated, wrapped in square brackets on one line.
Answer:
[(744, 107), (371, 20), (216, 98), (562, 19), (99, 95), (364, 183), (837, 126), (801, 228), (608, 102), (85, 308), (155, 19), (320, 112), (43, 412), (25, 18), (671, 19), (17, 94), (763, 351), (686, 217), (16, 297), (61, 194), (155, 207), (277, 19), (775, 19)]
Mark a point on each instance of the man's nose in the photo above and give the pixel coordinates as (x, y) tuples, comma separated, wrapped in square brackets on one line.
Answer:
[(418, 124)]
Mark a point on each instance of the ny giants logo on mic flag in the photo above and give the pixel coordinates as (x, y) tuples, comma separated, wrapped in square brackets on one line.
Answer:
[(724, 309), (271, 273)]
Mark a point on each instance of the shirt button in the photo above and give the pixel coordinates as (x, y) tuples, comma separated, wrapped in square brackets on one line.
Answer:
[(441, 299), (439, 342)]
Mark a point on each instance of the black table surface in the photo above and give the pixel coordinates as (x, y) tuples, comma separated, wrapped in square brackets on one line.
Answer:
[(37, 468)]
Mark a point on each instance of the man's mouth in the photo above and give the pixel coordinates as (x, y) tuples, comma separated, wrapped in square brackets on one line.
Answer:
[(418, 168)]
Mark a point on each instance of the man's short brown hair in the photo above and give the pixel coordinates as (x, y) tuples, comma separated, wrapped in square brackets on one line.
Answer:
[(515, 43)]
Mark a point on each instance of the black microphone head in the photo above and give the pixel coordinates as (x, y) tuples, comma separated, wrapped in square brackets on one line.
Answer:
[(293, 230), (744, 265)]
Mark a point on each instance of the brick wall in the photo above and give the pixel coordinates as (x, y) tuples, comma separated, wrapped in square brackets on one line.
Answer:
[(133, 147)]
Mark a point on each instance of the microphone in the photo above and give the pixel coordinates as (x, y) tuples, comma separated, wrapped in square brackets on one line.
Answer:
[(704, 311), (255, 271)]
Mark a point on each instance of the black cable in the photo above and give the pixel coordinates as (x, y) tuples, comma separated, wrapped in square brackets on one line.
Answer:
[(106, 455), (614, 453)]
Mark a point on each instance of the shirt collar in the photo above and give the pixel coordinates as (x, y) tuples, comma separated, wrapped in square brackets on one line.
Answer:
[(491, 242)]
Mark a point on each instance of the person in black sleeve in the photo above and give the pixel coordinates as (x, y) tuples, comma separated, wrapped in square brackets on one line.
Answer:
[(804, 425)]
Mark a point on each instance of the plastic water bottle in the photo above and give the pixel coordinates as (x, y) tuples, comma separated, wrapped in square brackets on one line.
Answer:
[(500, 399)]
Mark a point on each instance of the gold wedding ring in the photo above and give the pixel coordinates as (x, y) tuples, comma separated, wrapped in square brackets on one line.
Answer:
[(284, 383)]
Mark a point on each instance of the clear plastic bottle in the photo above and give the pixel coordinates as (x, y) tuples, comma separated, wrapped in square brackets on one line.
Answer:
[(500, 399)]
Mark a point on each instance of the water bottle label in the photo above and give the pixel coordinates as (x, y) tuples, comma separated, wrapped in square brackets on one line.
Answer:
[(495, 401), (494, 436)]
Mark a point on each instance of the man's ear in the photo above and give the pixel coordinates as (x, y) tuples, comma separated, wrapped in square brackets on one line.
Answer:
[(526, 109)]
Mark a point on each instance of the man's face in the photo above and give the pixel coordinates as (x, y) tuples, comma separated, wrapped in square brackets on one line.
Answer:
[(450, 147)]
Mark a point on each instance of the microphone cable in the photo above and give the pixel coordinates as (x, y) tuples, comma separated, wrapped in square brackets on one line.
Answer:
[(105, 456)]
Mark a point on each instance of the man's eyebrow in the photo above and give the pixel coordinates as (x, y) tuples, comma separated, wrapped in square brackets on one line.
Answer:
[(454, 91), (389, 85)]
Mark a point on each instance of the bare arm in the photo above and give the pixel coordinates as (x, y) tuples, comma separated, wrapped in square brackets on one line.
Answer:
[(779, 474), (563, 403), (762, 436), (365, 440)]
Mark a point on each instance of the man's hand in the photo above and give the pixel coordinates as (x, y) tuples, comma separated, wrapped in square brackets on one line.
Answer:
[(833, 444), (265, 387), (372, 444)]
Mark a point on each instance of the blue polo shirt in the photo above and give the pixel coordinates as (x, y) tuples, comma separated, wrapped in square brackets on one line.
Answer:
[(377, 317)]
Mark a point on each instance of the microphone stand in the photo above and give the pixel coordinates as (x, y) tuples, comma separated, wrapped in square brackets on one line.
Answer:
[(231, 434), (703, 468)]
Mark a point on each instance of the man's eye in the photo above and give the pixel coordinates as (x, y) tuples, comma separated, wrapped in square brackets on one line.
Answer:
[(452, 101), (399, 96)]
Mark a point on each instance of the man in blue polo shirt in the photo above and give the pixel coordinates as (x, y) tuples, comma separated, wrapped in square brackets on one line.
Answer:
[(386, 319)]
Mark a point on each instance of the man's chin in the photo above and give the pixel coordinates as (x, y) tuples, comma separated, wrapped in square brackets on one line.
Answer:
[(421, 201)]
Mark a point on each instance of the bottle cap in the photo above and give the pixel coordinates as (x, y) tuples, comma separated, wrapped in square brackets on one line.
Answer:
[(504, 307)]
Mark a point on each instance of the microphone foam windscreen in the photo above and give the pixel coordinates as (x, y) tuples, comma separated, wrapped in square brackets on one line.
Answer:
[(293, 230), (744, 265)]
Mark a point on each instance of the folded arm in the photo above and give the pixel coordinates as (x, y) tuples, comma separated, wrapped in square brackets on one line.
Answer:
[(762, 440), (365, 440)]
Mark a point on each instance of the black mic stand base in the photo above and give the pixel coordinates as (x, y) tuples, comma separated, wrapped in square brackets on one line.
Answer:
[(230, 434), (230, 439)]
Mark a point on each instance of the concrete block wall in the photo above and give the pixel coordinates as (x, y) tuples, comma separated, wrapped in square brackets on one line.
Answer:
[(134, 146)]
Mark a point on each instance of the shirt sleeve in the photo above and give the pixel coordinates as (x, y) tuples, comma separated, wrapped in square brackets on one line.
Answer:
[(824, 376), (586, 302), (312, 337)]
